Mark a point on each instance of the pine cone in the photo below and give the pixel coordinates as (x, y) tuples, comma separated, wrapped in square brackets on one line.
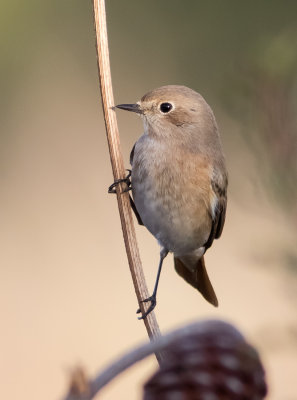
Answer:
[(213, 363)]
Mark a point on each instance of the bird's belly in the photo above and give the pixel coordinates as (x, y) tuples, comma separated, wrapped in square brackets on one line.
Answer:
[(176, 215)]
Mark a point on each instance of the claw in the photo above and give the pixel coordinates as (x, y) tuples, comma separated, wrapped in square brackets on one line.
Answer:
[(153, 304), (112, 187)]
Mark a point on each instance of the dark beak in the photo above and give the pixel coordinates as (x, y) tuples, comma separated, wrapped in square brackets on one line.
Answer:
[(130, 107)]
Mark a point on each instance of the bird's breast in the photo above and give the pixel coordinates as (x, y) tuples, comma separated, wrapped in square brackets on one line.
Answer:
[(172, 193)]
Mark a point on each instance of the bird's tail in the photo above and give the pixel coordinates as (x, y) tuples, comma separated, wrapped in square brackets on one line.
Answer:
[(198, 278)]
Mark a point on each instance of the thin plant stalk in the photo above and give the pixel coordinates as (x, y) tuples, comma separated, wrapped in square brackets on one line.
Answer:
[(118, 168)]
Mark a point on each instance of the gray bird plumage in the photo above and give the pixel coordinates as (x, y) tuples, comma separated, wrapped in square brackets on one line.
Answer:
[(179, 178)]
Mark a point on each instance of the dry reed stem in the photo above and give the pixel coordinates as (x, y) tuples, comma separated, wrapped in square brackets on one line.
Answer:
[(118, 168)]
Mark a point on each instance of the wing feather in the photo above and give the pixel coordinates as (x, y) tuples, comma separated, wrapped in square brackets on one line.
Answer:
[(218, 220), (132, 203)]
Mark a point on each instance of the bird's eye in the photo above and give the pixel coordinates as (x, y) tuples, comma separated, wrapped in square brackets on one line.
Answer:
[(165, 107)]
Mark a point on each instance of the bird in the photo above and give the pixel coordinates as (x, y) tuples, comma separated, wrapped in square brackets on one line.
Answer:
[(179, 181)]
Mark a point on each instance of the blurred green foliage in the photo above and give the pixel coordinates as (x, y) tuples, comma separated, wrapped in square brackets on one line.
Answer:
[(267, 88)]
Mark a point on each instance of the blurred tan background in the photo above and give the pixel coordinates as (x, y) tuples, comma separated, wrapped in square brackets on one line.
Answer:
[(66, 295)]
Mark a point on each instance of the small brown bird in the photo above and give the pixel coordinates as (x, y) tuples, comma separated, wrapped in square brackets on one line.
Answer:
[(179, 181)]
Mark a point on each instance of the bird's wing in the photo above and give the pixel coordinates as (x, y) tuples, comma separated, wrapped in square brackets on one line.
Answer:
[(218, 219), (133, 206), (221, 194), (132, 154)]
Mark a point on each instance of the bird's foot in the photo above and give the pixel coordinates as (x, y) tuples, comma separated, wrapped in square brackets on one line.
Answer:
[(127, 180), (153, 304)]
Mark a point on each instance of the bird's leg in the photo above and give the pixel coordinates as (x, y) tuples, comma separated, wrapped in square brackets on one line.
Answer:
[(127, 180), (153, 297)]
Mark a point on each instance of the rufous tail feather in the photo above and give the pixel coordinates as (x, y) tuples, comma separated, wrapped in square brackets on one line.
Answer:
[(198, 278)]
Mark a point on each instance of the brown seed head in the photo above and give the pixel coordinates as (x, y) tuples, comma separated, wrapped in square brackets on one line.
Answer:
[(215, 363)]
